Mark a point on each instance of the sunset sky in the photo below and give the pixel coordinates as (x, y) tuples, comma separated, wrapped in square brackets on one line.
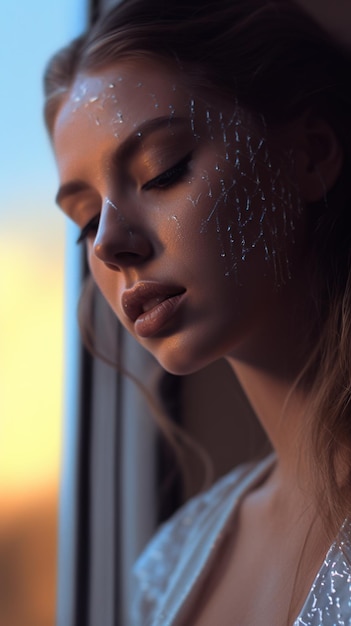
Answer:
[(32, 240)]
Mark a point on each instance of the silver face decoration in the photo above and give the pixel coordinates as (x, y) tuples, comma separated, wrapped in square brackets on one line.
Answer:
[(205, 195), (264, 208)]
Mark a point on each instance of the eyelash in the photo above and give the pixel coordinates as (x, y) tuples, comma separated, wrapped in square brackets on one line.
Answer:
[(162, 181), (169, 177), (92, 225)]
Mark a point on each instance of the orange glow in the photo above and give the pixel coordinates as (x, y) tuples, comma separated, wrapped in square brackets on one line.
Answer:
[(31, 346)]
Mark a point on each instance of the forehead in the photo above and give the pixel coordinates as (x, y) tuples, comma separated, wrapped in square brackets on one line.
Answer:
[(130, 91)]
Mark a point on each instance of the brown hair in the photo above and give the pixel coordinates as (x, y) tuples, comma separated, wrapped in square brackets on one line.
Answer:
[(276, 61)]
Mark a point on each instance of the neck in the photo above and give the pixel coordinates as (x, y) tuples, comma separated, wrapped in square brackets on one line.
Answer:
[(282, 411), (267, 363)]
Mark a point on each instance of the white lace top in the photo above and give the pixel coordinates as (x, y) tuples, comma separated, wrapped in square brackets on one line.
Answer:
[(170, 572)]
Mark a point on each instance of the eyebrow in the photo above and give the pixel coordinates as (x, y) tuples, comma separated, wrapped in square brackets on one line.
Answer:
[(70, 189), (125, 150)]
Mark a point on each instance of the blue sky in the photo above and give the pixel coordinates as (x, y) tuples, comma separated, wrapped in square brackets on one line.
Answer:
[(29, 33), (32, 244)]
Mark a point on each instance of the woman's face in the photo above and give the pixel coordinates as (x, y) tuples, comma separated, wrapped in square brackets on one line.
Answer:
[(189, 210)]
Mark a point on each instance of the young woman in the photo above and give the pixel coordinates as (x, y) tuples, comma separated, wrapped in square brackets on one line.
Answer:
[(203, 150)]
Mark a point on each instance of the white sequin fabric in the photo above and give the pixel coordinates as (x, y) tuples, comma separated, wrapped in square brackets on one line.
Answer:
[(329, 600), (169, 573)]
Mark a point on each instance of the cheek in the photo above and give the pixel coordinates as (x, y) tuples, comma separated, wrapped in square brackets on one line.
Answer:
[(248, 196), (249, 205)]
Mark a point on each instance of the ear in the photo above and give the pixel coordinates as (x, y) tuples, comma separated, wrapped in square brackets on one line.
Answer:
[(319, 156)]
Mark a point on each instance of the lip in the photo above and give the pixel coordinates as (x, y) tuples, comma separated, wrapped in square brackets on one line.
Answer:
[(150, 305)]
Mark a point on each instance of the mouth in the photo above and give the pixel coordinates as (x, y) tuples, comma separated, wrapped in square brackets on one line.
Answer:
[(149, 306)]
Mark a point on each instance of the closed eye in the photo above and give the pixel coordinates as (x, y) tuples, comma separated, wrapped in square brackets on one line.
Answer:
[(89, 228), (169, 177)]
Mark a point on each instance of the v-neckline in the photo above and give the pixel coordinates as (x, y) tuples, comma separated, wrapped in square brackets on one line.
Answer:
[(310, 609)]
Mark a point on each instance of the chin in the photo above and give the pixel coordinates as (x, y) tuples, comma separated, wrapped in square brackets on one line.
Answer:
[(180, 368), (180, 360)]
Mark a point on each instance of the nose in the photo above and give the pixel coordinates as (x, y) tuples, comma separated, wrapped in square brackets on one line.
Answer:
[(117, 244)]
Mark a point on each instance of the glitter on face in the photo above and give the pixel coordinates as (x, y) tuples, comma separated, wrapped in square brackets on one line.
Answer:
[(78, 95), (156, 103), (194, 201), (192, 115), (262, 207), (255, 189), (172, 111), (119, 215), (175, 220), (206, 161)]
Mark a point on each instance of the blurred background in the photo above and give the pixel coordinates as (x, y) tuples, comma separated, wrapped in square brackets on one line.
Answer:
[(32, 303), (32, 246)]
